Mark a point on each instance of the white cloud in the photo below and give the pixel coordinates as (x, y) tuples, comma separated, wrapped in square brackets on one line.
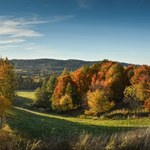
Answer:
[(19, 27), (11, 40), (16, 30)]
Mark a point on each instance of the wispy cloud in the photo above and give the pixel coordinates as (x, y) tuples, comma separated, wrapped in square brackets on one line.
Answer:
[(11, 40), (85, 4), (16, 30)]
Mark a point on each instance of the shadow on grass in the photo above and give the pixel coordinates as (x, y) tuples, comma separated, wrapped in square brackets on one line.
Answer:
[(23, 102), (33, 125)]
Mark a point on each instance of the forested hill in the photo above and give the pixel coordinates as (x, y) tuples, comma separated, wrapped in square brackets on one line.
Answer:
[(47, 66)]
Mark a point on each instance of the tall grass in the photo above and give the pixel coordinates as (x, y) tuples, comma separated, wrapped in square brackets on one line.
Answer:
[(131, 140)]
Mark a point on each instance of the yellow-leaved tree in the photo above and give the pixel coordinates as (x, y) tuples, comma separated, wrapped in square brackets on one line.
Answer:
[(98, 102)]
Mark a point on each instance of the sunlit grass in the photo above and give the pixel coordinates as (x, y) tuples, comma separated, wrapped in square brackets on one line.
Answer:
[(36, 124), (26, 94)]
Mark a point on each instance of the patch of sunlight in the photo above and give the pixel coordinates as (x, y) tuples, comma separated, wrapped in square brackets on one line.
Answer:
[(7, 128), (26, 94), (143, 122)]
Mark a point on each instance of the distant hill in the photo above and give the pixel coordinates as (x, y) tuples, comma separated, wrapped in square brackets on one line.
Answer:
[(47, 66)]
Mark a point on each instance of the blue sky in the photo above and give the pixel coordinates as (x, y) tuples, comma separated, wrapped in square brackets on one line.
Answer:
[(76, 29)]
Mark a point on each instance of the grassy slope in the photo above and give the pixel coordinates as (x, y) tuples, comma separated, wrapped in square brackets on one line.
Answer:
[(36, 124)]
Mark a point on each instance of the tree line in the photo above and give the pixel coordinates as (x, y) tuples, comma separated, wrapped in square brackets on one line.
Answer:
[(96, 89)]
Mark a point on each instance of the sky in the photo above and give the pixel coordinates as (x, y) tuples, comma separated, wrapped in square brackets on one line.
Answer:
[(117, 30)]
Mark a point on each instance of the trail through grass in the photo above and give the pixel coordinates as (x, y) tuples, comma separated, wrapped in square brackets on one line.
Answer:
[(36, 124)]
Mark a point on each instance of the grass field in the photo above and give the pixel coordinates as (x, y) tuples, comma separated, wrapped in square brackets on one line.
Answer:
[(35, 124)]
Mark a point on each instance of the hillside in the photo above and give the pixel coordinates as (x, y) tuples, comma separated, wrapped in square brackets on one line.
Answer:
[(47, 66)]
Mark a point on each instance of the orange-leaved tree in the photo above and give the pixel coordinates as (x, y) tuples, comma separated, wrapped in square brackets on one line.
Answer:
[(66, 89)]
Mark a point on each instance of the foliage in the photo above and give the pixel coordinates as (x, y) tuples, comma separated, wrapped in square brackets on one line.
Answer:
[(141, 75), (139, 91), (82, 77), (7, 86), (110, 75), (43, 95), (66, 103), (28, 83), (130, 84), (7, 79), (41, 99), (132, 98), (147, 104), (65, 86), (129, 73), (4, 105), (98, 102)]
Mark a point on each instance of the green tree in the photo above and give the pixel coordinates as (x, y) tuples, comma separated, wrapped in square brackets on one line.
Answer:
[(44, 94), (41, 98), (51, 83)]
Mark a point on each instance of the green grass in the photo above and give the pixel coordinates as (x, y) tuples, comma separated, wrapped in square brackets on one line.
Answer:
[(26, 94), (35, 124), (24, 99)]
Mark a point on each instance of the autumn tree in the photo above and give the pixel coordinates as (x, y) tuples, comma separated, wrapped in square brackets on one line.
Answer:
[(141, 75), (147, 104), (4, 105), (110, 75), (66, 103), (115, 79), (139, 91), (7, 79), (7, 86), (135, 95), (66, 89), (82, 78), (129, 73), (98, 102)]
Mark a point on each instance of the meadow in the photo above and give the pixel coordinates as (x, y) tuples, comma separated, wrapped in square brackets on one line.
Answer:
[(52, 131)]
